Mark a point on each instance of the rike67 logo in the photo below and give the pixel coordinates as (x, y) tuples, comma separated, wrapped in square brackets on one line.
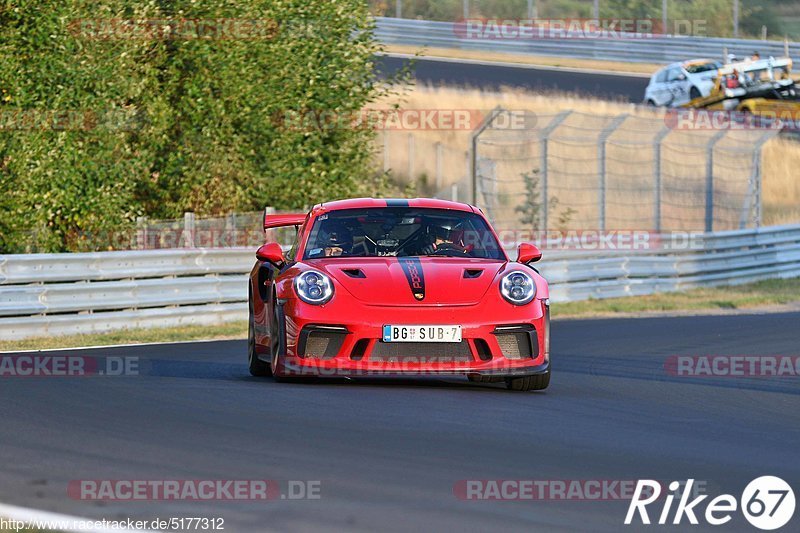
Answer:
[(767, 503)]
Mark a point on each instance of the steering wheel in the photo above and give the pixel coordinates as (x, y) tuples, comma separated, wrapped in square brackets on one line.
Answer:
[(446, 248)]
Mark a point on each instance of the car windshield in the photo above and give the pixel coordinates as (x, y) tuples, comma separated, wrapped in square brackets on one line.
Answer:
[(697, 68), (402, 232)]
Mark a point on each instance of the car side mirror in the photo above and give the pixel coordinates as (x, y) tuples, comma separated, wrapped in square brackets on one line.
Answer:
[(528, 253), (270, 253), (682, 77)]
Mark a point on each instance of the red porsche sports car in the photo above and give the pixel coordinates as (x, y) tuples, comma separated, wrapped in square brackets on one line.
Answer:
[(398, 287)]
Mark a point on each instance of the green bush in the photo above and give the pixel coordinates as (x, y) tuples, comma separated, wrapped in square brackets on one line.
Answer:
[(95, 131)]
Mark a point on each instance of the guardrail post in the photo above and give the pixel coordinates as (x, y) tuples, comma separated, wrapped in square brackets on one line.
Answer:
[(188, 230), (710, 180), (601, 161), (756, 180), (398, 9), (474, 149), (411, 156), (657, 175), (385, 151), (544, 136), (141, 233), (438, 166), (531, 9), (466, 9)]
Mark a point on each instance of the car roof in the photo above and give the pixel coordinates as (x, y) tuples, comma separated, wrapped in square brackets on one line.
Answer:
[(363, 203), (691, 62), (687, 63)]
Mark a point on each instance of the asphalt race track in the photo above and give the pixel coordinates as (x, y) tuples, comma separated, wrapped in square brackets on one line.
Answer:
[(597, 85), (388, 452)]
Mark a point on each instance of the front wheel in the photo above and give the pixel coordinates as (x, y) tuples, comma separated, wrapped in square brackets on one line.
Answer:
[(528, 383), (256, 366), (277, 344), (694, 92)]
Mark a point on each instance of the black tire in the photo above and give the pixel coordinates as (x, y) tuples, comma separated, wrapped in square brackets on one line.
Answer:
[(651, 103), (277, 343), (528, 383), (256, 366), (694, 92)]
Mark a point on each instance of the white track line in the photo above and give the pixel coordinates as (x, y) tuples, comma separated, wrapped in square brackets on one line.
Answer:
[(38, 518), (517, 65)]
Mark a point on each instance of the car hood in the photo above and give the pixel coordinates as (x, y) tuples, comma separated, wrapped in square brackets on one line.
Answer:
[(412, 280)]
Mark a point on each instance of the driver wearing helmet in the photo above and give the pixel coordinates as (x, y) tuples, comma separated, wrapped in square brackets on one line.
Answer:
[(440, 239), (336, 239)]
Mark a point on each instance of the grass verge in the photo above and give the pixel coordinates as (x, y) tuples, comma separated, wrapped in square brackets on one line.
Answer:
[(526, 59), (232, 330), (761, 295)]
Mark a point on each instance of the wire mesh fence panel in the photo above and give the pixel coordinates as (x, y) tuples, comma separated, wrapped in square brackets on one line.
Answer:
[(235, 230), (578, 171)]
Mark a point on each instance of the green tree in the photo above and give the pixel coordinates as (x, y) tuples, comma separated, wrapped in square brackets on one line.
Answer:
[(158, 125)]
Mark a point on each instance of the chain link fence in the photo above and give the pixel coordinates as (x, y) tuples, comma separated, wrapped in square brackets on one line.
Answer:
[(569, 171)]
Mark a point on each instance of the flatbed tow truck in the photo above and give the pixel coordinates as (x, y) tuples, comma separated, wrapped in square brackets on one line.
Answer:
[(761, 91)]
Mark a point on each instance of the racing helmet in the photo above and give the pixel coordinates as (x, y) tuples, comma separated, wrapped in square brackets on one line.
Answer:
[(336, 234)]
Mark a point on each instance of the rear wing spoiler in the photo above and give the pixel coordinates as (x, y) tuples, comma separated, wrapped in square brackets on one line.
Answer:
[(272, 221)]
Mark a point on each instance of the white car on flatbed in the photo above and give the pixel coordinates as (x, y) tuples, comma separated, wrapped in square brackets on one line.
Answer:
[(678, 83)]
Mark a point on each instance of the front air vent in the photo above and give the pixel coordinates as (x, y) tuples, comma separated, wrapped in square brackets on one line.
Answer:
[(321, 342), (359, 350), (472, 273), (517, 342), (354, 273), (484, 352)]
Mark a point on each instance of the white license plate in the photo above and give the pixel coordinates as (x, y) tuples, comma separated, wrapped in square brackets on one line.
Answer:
[(421, 333)]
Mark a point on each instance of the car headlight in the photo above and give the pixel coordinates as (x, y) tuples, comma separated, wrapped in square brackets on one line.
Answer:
[(518, 288), (313, 287)]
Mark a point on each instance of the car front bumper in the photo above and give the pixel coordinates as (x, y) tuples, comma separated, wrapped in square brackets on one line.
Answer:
[(498, 339)]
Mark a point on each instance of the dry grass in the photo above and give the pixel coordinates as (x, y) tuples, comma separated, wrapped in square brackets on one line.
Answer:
[(781, 194), (527, 59), (574, 160)]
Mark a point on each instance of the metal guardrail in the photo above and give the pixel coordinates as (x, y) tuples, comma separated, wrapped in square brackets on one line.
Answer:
[(723, 258), (655, 49), (60, 294)]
